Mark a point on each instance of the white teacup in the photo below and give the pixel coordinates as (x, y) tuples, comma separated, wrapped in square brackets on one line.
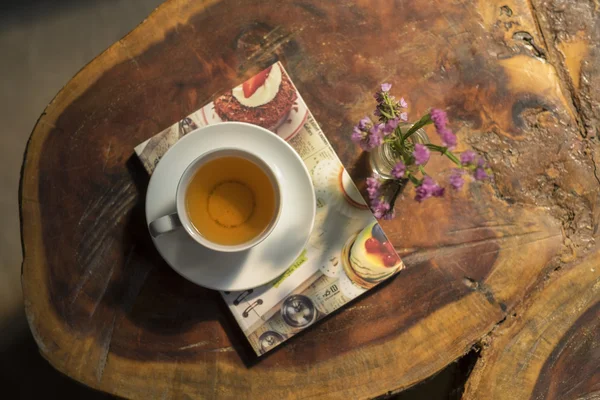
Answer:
[(181, 218)]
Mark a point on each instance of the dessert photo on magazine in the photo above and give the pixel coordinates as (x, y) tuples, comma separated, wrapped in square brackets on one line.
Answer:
[(347, 253)]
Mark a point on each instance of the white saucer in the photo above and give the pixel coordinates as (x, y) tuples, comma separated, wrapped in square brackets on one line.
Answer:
[(267, 260)]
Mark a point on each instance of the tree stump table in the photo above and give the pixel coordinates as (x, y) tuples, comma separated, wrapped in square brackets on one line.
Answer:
[(509, 268)]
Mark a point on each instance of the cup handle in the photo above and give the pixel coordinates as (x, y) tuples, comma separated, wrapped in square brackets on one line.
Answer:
[(164, 224)]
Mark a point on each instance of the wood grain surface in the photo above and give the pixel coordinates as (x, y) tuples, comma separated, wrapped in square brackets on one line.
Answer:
[(106, 310), (551, 351)]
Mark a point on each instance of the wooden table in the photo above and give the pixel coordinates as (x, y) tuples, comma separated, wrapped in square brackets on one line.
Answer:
[(510, 268)]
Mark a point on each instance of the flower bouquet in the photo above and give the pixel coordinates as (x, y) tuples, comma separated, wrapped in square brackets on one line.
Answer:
[(392, 133)]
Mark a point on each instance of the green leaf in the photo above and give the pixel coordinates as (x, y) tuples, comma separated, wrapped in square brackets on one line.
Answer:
[(425, 120)]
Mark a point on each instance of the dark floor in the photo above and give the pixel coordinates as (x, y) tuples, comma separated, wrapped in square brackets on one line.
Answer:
[(25, 373), (44, 43)]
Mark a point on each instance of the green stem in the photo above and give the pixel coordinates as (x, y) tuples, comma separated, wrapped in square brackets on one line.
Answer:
[(413, 179), (397, 193), (422, 170), (425, 120), (397, 144), (397, 133), (386, 114), (446, 152), (390, 105)]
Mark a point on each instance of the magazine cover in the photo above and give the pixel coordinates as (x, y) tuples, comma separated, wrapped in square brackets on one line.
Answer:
[(347, 253)]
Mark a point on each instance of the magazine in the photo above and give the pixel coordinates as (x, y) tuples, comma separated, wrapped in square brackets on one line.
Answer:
[(347, 253)]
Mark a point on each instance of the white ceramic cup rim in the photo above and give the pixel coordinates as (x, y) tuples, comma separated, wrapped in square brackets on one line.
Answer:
[(194, 167)]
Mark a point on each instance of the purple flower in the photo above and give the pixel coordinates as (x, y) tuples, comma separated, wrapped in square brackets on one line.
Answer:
[(428, 188), (475, 164), (456, 179), (387, 107), (375, 140), (373, 186), (467, 157), (380, 208), (448, 138), (377, 129), (421, 194), (439, 118), (364, 123), (389, 215), (357, 135), (361, 138), (367, 135), (375, 137), (421, 154), (480, 174), (398, 170), (390, 126)]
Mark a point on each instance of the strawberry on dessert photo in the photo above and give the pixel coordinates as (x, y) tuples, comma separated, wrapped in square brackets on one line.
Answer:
[(265, 100), (370, 258)]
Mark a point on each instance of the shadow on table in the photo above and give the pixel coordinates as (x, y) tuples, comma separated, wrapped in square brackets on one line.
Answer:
[(158, 300), (24, 372), (161, 286), (26, 375)]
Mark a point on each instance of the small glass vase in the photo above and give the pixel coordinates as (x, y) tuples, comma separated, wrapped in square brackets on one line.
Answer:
[(385, 157)]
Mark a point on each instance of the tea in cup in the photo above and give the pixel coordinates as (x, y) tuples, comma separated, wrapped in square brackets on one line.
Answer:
[(227, 200)]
